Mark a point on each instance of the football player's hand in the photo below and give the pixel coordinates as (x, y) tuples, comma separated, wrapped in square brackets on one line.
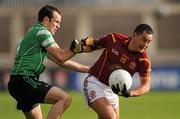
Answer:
[(115, 88), (125, 92), (91, 43), (76, 46), (88, 41)]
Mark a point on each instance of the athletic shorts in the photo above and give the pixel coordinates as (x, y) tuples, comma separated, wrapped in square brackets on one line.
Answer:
[(28, 91), (94, 89)]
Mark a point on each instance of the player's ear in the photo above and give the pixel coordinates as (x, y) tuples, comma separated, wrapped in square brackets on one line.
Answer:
[(46, 20)]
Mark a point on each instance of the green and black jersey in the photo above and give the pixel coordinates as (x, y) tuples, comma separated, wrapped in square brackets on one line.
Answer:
[(31, 51)]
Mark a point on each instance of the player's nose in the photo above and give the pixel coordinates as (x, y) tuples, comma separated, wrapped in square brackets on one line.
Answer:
[(58, 26)]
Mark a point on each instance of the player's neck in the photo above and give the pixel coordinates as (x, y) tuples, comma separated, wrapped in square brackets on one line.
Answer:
[(130, 45)]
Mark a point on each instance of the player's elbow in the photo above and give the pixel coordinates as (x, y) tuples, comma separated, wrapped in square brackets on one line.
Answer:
[(146, 89)]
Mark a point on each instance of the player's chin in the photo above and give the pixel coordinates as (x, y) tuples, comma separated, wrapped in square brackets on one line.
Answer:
[(53, 32), (142, 50)]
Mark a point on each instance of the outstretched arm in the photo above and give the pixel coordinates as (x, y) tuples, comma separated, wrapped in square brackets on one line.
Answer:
[(60, 55), (71, 65)]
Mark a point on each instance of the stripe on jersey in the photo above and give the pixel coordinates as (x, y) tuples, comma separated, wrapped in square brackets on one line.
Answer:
[(43, 32), (40, 61), (47, 42), (23, 57), (113, 38), (144, 59)]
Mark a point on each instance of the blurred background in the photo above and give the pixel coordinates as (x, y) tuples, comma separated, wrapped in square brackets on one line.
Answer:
[(95, 18)]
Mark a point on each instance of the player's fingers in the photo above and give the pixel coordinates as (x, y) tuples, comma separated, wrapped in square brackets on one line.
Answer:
[(118, 87)]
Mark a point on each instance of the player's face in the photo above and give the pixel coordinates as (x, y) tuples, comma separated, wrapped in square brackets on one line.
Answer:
[(54, 24), (140, 42)]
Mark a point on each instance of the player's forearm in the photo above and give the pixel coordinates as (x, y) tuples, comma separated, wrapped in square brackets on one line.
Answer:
[(71, 65), (144, 86), (67, 54), (75, 66), (63, 55), (139, 91)]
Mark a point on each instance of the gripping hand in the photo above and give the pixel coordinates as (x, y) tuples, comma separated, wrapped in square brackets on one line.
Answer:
[(125, 92), (116, 88), (76, 46), (88, 41)]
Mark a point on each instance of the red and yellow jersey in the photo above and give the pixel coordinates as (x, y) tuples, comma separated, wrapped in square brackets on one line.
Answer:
[(117, 56)]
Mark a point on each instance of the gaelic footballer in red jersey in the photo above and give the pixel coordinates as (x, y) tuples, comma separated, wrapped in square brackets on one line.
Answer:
[(117, 56), (120, 52)]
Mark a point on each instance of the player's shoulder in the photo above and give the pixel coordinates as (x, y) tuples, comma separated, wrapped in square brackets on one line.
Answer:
[(113, 38), (144, 57), (144, 54), (120, 36), (40, 29), (43, 32), (116, 35)]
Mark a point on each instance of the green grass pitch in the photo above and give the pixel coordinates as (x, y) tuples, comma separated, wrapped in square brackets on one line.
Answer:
[(154, 105)]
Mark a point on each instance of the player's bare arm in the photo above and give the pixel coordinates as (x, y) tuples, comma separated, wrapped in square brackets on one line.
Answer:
[(61, 55), (71, 65), (144, 86), (75, 66)]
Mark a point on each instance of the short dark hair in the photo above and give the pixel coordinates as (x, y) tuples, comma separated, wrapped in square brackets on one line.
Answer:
[(143, 28), (47, 11)]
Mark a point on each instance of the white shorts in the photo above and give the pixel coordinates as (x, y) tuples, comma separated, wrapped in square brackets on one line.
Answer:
[(94, 89)]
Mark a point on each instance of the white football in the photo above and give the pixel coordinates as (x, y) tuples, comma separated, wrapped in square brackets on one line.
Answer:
[(120, 77)]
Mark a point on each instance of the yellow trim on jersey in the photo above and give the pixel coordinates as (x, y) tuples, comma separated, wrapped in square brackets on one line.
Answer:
[(114, 40), (144, 59), (145, 75)]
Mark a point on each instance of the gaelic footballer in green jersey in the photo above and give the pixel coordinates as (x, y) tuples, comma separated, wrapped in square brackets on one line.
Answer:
[(30, 61), (31, 51)]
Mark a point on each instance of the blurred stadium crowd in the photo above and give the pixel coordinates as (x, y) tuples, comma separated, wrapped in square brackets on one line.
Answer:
[(95, 18)]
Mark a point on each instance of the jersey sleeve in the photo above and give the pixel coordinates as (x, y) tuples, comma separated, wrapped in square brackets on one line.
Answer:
[(45, 38), (144, 65)]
